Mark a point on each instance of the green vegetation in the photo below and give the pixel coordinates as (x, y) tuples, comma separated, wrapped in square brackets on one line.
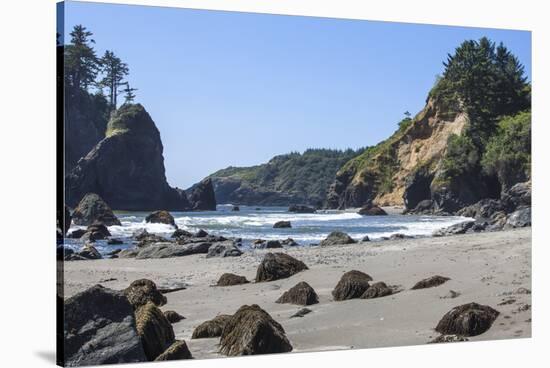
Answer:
[(488, 83), (304, 177), (508, 153)]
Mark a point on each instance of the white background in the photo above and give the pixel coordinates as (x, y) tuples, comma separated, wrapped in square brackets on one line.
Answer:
[(27, 180)]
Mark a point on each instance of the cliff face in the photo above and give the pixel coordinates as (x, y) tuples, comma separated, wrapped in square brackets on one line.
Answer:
[(286, 179), (126, 168), (384, 172)]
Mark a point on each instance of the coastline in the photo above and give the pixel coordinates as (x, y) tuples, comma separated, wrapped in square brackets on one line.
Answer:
[(478, 264)]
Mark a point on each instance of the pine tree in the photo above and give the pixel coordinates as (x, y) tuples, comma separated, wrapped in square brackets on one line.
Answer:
[(114, 71), (129, 95), (81, 62)]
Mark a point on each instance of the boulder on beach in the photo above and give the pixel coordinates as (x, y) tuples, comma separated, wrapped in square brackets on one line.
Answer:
[(282, 225), (302, 312), (432, 281), (230, 279), (99, 328), (289, 242), (155, 331), (352, 284), (211, 328), (300, 208), (161, 217), (372, 210), (250, 331), (377, 290), (89, 252), (271, 244), (470, 319), (301, 293), (201, 234), (92, 209), (173, 316), (235, 209), (169, 250), (519, 218), (277, 266), (95, 232), (76, 234), (142, 291), (180, 233), (337, 237), (456, 229), (145, 239), (224, 249), (177, 351)]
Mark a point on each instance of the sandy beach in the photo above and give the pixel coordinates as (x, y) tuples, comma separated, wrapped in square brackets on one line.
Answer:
[(487, 268)]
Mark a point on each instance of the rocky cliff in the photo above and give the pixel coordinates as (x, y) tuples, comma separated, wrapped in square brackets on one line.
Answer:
[(286, 179), (126, 168), (381, 173)]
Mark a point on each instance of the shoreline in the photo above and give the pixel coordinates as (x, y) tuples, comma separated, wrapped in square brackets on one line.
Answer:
[(478, 264)]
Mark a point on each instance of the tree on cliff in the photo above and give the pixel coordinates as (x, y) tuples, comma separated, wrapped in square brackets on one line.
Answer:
[(129, 94), (81, 62), (114, 71)]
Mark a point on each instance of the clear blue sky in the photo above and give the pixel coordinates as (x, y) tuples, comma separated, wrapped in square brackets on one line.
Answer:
[(239, 88)]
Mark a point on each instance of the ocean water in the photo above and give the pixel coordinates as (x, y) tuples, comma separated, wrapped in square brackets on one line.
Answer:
[(252, 223)]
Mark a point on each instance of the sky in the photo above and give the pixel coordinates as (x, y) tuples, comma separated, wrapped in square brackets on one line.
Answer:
[(236, 89)]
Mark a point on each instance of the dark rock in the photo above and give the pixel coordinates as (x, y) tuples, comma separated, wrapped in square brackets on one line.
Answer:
[(298, 208), (460, 228), (302, 294), (126, 168), (417, 189), (399, 236), (99, 328), (430, 282), (337, 237), (76, 234), (128, 253), (282, 225), (89, 252), (372, 210), (177, 351), (95, 232), (114, 241), (365, 238), (483, 209), (201, 234), (302, 312), (270, 244), (202, 197), (172, 316), (92, 209), (519, 218), (155, 331), (250, 331), (161, 217), (289, 242), (517, 196), (467, 320), (180, 233), (377, 290), (424, 207), (142, 291), (448, 338), (114, 252), (146, 239), (277, 266), (169, 250), (229, 279), (235, 209), (224, 249), (211, 328), (352, 284)]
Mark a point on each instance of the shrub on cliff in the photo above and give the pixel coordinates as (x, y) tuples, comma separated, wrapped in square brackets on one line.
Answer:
[(508, 153)]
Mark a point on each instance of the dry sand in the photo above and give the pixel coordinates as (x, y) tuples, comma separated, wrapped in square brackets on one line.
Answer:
[(486, 268)]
